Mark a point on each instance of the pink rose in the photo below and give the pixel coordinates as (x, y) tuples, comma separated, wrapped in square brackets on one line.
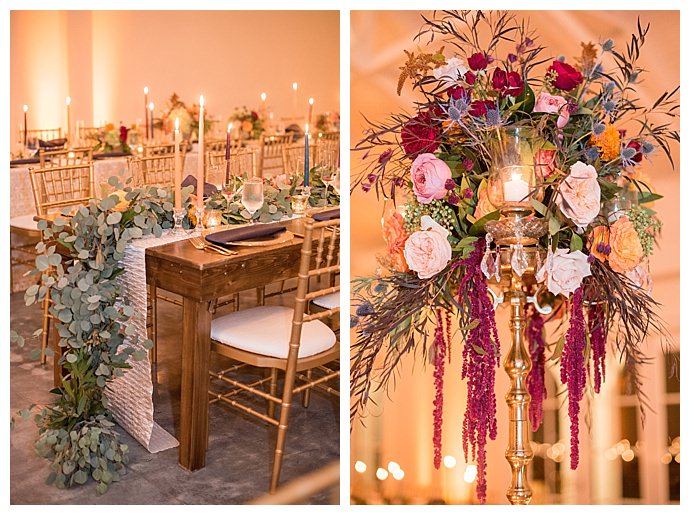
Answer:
[(428, 251), (580, 195), (553, 104), (640, 277), (429, 176), (564, 271)]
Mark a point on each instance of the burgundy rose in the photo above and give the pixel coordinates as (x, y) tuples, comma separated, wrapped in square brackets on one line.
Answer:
[(419, 135), (507, 83), (123, 133), (479, 61), (470, 78), (566, 78), (255, 115), (457, 92), (480, 107), (638, 155)]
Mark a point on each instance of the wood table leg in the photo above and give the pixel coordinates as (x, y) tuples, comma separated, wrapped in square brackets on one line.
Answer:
[(196, 350)]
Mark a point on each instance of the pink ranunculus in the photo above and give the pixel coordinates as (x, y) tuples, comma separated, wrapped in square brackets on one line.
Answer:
[(579, 195), (429, 176), (563, 271), (428, 251), (553, 104)]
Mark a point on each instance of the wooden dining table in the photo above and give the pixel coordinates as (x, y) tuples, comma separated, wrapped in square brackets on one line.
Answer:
[(199, 277)]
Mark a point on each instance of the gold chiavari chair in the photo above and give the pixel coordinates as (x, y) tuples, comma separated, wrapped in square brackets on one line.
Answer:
[(293, 158), (327, 153), (242, 162), (70, 157), (329, 136), (271, 152), (55, 188), (88, 133), (42, 134), (216, 145), (282, 338), (157, 170), (158, 150)]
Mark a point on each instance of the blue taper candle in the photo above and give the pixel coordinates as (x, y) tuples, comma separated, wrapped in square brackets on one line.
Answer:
[(306, 155)]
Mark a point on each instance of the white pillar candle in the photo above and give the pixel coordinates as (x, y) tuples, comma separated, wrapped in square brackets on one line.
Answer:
[(516, 189), (200, 159), (178, 167)]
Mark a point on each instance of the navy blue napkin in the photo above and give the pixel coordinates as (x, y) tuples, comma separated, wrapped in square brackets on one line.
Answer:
[(105, 155), (190, 180), (28, 161), (250, 232), (327, 214), (53, 143)]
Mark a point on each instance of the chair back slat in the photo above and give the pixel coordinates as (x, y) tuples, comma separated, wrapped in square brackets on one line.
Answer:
[(158, 150), (242, 162), (57, 187), (70, 157), (271, 151), (293, 158), (42, 134), (157, 170)]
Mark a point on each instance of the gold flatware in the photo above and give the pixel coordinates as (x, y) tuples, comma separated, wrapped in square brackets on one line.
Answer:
[(203, 245)]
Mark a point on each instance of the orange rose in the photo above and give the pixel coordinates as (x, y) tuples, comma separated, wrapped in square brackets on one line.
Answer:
[(626, 249), (484, 205), (109, 127), (599, 243), (395, 235), (247, 126)]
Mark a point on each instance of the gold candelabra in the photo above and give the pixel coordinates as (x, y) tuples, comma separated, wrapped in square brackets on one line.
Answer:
[(518, 266)]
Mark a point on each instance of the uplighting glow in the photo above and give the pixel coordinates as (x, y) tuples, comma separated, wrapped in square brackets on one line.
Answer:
[(381, 473), (360, 467)]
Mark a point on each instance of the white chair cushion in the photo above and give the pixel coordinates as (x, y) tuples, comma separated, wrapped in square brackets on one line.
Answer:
[(266, 330), (26, 222), (330, 301)]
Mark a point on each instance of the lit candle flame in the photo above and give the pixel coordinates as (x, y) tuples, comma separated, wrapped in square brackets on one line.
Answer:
[(68, 101), (26, 108), (294, 86), (201, 101), (229, 127), (311, 101), (151, 106), (177, 124), (263, 97), (146, 90), (306, 129)]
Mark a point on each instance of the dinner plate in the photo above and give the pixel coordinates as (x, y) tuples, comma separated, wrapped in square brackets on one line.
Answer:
[(261, 241)]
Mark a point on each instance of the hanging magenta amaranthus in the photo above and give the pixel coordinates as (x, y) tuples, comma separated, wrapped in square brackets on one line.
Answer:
[(439, 368), (574, 372), (535, 380), (598, 332), (481, 356)]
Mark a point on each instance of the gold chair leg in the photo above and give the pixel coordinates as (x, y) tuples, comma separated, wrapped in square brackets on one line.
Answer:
[(273, 388), (261, 296), (306, 394), (283, 424)]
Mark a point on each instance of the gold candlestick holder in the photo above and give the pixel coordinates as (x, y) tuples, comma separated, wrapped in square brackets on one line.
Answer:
[(519, 258)]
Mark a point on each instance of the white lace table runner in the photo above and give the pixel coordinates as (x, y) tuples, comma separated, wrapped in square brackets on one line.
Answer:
[(131, 396)]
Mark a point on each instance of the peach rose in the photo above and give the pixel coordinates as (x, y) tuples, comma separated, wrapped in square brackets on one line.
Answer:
[(564, 271), (395, 235), (247, 126), (580, 195), (428, 251), (553, 104), (640, 277), (484, 205), (626, 249), (429, 176), (599, 243)]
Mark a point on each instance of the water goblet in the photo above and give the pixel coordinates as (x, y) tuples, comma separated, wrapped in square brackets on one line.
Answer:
[(253, 196)]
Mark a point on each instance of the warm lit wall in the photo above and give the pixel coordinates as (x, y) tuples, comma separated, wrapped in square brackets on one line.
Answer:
[(103, 59), (403, 432)]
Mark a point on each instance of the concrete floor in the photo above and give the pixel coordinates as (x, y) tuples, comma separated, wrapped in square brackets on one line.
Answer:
[(238, 460)]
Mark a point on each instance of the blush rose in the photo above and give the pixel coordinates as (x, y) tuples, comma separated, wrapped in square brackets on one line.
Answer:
[(428, 250), (553, 104), (579, 195), (429, 177), (564, 271)]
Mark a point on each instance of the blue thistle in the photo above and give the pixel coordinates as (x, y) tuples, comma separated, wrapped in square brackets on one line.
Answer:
[(353, 321), (609, 106), (598, 128), (365, 309), (493, 117), (592, 154), (647, 148), (607, 45)]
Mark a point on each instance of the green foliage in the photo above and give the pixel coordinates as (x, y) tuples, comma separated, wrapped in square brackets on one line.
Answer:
[(79, 265)]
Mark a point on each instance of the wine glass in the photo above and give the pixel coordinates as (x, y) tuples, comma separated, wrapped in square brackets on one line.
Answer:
[(253, 195), (335, 181)]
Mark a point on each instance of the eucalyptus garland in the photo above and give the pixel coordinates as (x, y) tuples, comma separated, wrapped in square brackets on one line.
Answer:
[(79, 262)]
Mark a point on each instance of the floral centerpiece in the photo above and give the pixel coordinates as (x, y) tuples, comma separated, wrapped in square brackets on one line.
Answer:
[(580, 139), (328, 122), (189, 118), (250, 123), (112, 139)]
